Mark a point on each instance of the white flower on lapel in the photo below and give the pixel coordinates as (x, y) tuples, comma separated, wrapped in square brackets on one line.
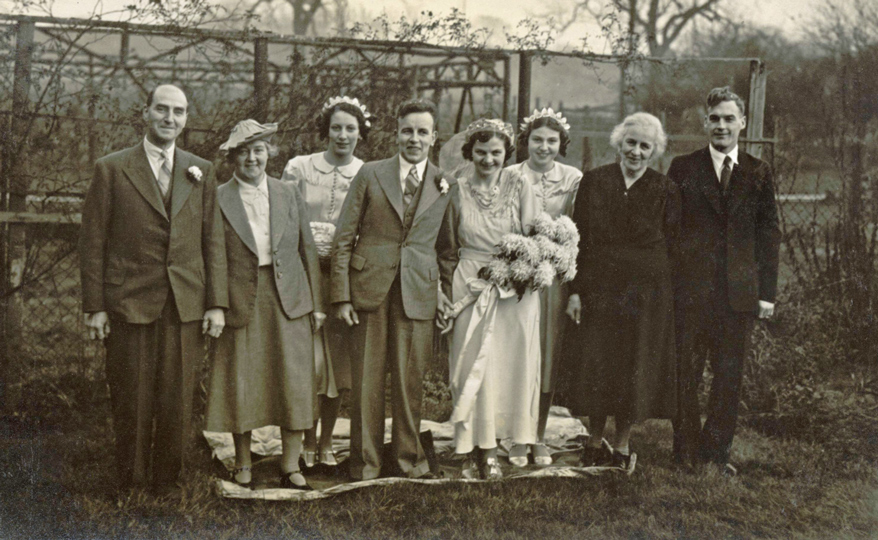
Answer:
[(194, 174), (443, 186)]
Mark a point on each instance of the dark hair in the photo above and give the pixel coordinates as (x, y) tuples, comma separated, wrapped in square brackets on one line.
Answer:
[(416, 106), (549, 122), (151, 95), (483, 137), (718, 95), (325, 119)]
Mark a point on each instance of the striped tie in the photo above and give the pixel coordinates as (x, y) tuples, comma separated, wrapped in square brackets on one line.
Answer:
[(164, 178), (411, 186)]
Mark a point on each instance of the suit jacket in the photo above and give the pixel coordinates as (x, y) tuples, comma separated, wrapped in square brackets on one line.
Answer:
[(133, 252), (742, 234), (373, 244), (294, 256)]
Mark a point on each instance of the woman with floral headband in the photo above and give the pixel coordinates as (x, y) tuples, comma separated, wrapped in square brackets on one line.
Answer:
[(324, 179), (545, 135), (493, 202)]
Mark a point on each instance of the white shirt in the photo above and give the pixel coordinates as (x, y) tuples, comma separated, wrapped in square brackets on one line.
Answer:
[(255, 199), (718, 158), (154, 155), (405, 167)]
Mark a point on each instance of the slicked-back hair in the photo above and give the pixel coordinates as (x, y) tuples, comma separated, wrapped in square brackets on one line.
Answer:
[(644, 120), (151, 95), (483, 137), (325, 119), (416, 106), (551, 123), (724, 93)]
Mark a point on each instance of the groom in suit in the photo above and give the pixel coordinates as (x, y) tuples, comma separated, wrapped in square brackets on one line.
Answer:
[(394, 241), (153, 267), (726, 276)]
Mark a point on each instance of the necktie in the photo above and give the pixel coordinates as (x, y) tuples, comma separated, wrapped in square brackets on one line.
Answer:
[(164, 178), (411, 186), (726, 174)]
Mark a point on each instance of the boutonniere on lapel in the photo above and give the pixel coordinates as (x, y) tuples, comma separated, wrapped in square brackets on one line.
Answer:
[(441, 184), (194, 174)]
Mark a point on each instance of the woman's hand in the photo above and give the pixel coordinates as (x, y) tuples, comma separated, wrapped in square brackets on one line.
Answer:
[(574, 308), (317, 320)]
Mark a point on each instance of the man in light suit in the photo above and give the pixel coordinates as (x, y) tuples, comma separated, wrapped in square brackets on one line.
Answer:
[(394, 242), (726, 276), (153, 265)]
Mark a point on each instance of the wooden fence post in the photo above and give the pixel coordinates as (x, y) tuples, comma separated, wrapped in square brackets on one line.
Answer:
[(15, 186), (524, 80), (261, 82), (756, 114)]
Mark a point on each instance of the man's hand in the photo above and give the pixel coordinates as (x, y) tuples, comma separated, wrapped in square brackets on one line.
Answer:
[(345, 311), (574, 308), (766, 309), (317, 320), (444, 321), (213, 322), (98, 325)]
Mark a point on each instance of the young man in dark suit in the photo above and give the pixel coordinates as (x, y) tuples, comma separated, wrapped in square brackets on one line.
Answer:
[(393, 243), (726, 276), (153, 265)]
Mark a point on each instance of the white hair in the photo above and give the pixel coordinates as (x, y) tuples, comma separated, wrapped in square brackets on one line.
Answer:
[(644, 120)]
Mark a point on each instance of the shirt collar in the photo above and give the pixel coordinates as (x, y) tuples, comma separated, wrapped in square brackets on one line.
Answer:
[(348, 171), (155, 153), (405, 166), (251, 189), (552, 175), (719, 157)]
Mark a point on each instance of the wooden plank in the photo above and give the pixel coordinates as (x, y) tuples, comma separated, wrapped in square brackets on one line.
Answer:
[(36, 217), (756, 114), (524, 81)]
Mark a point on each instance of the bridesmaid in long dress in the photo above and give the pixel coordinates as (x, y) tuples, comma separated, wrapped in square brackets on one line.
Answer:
[(324, 179), (263, 369), (545, 135), (494, 202)]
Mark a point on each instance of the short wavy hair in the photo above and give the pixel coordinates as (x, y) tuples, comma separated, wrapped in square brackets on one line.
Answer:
[(417, 106), (232, 154), (643, 120), (483, 137), (724, 93), (324, 119), (549, 122)]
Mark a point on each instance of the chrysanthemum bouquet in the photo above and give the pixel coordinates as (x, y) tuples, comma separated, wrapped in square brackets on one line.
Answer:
[(530, 261), (323, 233)]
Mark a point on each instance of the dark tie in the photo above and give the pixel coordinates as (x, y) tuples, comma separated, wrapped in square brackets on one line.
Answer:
[(726, 174), (411, 186)]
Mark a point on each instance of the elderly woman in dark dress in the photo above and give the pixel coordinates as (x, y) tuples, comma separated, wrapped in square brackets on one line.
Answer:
[(263, 370), (621, 300)]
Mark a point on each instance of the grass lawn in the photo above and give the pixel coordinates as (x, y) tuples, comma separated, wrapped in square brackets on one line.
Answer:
[(57, 477)]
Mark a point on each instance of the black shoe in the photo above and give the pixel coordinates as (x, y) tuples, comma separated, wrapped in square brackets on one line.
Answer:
[(286, 483), (596, 457), (622, 461)]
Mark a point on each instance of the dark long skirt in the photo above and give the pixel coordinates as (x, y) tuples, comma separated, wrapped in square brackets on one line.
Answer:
[(622, 357), (263, 373)]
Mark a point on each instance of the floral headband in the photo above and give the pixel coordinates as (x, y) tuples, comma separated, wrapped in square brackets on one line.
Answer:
[(350, 101), (546, 113), (490, 124)]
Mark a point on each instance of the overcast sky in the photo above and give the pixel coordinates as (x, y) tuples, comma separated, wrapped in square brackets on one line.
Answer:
[(787, 15)]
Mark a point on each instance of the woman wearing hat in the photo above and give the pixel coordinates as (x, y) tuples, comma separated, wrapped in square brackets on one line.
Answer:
[(263, 369), (323, 180)]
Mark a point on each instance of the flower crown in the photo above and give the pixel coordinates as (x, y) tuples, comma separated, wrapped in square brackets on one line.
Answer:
[(546, 112), (333, 101), (490, 124)]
